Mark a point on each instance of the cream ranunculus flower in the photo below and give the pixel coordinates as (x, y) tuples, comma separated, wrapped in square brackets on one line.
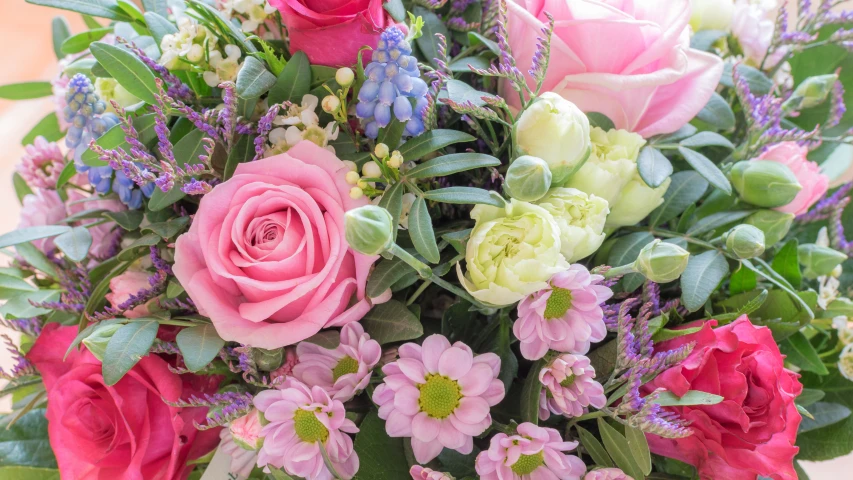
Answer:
[(555, 130), (512, 252), (611, 173), (711, 14), (580, 217)]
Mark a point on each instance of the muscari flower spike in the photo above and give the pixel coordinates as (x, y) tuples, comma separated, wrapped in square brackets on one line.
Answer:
[(393, 84)]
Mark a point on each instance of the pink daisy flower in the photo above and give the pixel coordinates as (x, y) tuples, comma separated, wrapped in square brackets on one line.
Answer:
[(439, 395), (420, 473), (344, 371), (535, 453), (565, 317), (607, 474), (301, 418), (41, 164), (570, 387)]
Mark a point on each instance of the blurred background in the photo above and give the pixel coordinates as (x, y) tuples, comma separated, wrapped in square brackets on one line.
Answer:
[(27, 54)]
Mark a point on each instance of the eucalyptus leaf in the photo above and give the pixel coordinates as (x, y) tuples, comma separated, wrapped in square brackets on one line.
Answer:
[(159, 26), (639, 448), (450, 164), (686, 189), (126, 347), (707, 139), (28, 234), (254, 79), (691, 397), (701, 277), (128, 70), (75, 243), (717, 113), (81, 41), (293, 82), (618, 448), (653, 166), (463, 195), (392, 322), (199, 346), (60, 30), (824, 414), (431, 141), (707, 169), (595, 449)]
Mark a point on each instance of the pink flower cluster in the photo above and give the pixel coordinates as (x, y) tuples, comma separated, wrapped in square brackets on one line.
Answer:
[(535, 453), (570, 386), (41, 164)]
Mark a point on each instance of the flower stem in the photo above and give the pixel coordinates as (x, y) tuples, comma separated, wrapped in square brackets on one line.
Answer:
[(426, 273)]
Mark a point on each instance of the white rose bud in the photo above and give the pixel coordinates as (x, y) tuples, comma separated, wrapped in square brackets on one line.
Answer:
[(661, 262), (581, 219), (528, 178), (369, 229)]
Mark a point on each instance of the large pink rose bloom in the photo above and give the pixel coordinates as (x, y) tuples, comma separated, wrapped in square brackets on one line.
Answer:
[(628, 59), (754, 429), (814, 183), (266, 258), (331, 32)]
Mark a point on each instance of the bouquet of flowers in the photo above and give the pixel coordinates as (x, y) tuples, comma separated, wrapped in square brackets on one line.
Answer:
[(434, 239)]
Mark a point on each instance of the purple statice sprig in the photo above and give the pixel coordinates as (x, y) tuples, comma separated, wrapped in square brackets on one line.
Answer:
[(76, 288), (824, 208), (175, 87), (542, 55), (654, 419), (27, 326), (265, 125), (223, 407), (459, 24), (21, 367), (506, 67), (430, 4), (157, 282), (837, 238)]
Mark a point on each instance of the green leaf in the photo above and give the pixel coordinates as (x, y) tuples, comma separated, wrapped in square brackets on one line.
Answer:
[(639, 448), (128, 70), (463, 65), (380, 457), (91, 22), (36, 258), (75, 243), (96, 8), (160, 200), (29, 473), (9, 283), (463, 195), (824, 414), (717, 113), (594, 448), (26, 90), (21, 187), (81, 41), (431, 141), (254, 79), (742, 280), (617, 447), (21, 305), (810, 396), (293, 82), (450, 164), (707, 139), (242, 152), (600, 120), (686, 189), (428, 43), (158, 6), (715, 221), (115, 138), (392, 322), (25, 444), (329, 339), (392, 200), (386, 273), (396, 9), (131, 10), (159, 26), (126, 347), (168, 229), (785, 263), (665, 334), (421, 232), (703, 274), (800, 352), (692, 397), (128, 219), (392, 134), (704, 40), (459, 465), (833, 440), (28, 234), (653, 166), (199, 346), (530, 394), (758, 82), (60, 30), (624, 251), (460, 92), (707, 169), (475, 38), (47, 127)]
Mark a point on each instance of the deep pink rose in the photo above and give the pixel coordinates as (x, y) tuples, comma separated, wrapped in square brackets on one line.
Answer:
[(814, 183), (127, 284), (266, 258), (121, 432), (753, 430), (628, 59), (331, 32)]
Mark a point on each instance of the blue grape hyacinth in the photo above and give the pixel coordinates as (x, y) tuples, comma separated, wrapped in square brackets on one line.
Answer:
[(393, 85)]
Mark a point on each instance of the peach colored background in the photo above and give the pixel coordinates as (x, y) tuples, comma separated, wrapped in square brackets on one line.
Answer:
[(26, 53)]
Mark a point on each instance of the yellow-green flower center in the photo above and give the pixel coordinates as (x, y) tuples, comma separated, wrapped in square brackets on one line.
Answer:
[(526, 464), (439, 396), (568, 381), (308, 428), (345, 366), (315, 135), (558, 303)]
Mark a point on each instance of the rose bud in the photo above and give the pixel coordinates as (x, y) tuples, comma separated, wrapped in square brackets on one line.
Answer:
[(268, 360), (819, 260), (745, 241), (98, 340), (528, 178), (246, 431), (764, 183), (775, 225), (661, 262), (811, 92), (369, 229)]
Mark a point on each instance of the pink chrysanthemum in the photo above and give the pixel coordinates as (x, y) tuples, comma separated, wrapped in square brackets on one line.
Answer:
[(420, 473), (42, 207), (41, 164), (607, 474), (343, 371), (570, 387), (565, 317), (300, 420), (535, 453), (439, 395)]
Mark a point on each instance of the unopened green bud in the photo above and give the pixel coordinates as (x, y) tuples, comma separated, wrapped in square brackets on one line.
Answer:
[(811, 92), (98, 340), (369, 229), (528, 178), (268, 360), (775, 225), (745, 241), (819, 260), (764, 183), (661, 262)]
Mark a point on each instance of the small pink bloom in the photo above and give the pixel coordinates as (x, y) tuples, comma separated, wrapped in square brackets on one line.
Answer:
[(103, 235), (123, 286), (41, 164), (420, 473), (607, 474), (40, 208), (440, 395), (814, 183), (286, 368), (344, 371), (565, 317), (753, 24), (300, 418), (246, 431), (570, 387), (535, 453), (242, 461)]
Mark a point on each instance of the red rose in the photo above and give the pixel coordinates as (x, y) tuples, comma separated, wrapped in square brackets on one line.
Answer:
[(331, 32), (753, 430), (124, 431)]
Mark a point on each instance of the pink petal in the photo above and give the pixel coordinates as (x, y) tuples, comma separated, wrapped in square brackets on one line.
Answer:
[(455, 363), (477, 380), (425, 428), (472, 410), (412, 369), (406, 400), (433, 347)]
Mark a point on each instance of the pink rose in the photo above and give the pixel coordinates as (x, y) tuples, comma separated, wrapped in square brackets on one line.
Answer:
[(331, 32), (628, 59), (40, 208), (127, 284), (266, 258), (814, 183), (753, 430), (125, 431)]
